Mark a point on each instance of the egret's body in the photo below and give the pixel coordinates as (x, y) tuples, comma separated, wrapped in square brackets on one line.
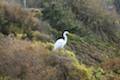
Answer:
[(60, 43)]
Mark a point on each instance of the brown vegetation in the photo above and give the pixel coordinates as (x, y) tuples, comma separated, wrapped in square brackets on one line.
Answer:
[(19, 20), (24, 60), (20, 59), (112, 68)]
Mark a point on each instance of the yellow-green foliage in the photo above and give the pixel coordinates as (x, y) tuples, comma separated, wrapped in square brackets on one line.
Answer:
[(79, 70), (39, 36), (87, 71), (5, 78), (47, 45)]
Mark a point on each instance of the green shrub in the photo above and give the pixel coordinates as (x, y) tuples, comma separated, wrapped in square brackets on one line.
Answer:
[(60, 15)]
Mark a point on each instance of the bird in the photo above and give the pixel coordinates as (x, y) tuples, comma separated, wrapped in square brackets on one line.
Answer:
[(60, 43)]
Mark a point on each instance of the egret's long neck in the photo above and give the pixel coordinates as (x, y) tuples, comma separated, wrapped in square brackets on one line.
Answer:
[(65, 37)]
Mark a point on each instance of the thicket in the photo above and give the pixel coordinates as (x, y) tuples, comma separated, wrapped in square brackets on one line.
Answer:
[(60, 15)]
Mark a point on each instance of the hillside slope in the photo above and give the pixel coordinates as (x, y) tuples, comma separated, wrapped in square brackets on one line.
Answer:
[(20, 59), (27, 36)]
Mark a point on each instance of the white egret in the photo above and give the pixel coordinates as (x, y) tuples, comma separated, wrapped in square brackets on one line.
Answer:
[(60, 43)]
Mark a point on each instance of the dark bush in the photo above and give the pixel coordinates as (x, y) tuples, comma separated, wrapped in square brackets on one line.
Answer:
[(60, 15), (117, 4)]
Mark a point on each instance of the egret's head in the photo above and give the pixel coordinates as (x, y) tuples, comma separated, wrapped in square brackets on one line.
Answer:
[(66, 32)]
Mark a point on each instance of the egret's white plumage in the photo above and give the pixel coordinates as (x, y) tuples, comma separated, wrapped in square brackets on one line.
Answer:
[(60, 43)]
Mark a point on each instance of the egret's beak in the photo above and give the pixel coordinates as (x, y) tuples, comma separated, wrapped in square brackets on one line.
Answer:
[(69, 33)]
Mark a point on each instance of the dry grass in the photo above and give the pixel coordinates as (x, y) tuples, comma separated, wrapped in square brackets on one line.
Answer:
[(112, 68), (111, 64)]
